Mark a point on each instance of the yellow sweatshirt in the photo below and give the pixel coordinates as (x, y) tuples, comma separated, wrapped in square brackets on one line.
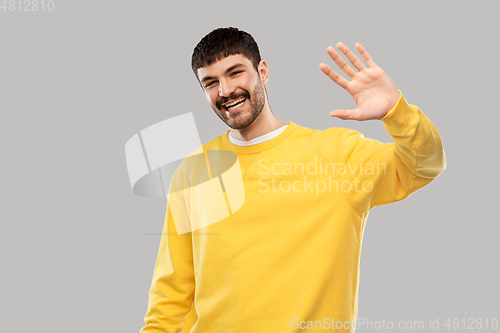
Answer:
[(285, 257)]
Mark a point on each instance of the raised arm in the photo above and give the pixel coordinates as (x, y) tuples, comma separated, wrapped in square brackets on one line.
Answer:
[(385, 172)]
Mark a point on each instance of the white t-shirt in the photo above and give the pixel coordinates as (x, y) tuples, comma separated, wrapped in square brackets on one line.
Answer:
[(258, 139)]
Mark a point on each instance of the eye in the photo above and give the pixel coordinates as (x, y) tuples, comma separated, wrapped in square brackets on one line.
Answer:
[(209, 84), (235, 73)]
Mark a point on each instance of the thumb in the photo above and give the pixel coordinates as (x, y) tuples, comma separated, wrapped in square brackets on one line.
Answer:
[(343, 114)]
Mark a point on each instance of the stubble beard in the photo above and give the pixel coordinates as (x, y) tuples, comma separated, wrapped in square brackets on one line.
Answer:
[(241, 119)]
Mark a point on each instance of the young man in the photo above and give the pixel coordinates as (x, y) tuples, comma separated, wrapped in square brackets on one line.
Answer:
[(287, 258)]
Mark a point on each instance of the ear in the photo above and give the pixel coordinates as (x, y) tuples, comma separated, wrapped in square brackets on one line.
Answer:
[(264, 71)]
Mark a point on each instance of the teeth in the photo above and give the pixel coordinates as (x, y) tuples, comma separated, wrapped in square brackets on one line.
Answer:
[(234, 102), (234, 107)]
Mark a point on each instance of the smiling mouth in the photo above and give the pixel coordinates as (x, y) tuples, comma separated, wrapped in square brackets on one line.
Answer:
[(234, 105)]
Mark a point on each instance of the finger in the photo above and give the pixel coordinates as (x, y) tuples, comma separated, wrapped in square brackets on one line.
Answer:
[(344, 114), (341, 81), (366, 57), (343, 65), (355, 61)]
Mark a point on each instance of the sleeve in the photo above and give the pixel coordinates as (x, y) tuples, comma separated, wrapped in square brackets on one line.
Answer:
[(382, 173), (172, 290)]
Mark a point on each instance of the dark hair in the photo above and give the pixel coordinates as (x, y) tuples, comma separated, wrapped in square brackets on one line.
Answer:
[(223, 42)]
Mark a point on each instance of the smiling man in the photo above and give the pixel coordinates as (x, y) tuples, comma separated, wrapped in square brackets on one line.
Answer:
[(288, 259), (235, 91), (235, 86)]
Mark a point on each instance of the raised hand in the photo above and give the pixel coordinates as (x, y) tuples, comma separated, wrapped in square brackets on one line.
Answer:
[(371, 88)]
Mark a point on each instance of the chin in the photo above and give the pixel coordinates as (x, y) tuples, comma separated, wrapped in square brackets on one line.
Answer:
[(241, 124)]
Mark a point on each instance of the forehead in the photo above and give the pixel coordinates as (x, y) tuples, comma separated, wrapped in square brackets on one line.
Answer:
[(219, 68)]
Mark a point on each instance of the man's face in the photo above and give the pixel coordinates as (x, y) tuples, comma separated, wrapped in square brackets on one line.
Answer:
[(234, 90)]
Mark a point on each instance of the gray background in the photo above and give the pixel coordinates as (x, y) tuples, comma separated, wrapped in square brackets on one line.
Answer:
[(78, 247)]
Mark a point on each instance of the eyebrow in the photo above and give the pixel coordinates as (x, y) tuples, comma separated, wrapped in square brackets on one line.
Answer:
[(207, 78)]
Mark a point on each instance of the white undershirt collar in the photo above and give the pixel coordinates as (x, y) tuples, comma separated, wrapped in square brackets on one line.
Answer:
[(259, 139)]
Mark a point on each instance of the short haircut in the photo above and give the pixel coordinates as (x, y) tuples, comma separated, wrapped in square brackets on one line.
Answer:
[(223, 42)]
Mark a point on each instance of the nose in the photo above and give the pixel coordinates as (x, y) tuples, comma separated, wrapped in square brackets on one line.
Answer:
[(225, 89)]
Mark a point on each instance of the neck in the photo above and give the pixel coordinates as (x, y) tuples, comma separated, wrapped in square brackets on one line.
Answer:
[(266, 122)]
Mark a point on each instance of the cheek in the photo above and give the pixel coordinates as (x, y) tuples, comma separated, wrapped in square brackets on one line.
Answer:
[(246, 84), (211, 97), (251, 85)]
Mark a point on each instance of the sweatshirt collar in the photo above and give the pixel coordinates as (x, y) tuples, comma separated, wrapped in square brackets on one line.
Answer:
[(260, 146)]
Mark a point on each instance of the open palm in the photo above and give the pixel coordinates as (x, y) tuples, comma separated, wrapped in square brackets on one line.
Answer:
[(371, 88)]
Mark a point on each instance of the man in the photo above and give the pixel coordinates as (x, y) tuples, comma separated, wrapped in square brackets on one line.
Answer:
[(288, 258)]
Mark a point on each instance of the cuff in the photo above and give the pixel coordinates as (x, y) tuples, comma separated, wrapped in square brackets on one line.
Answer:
[(401, 118)]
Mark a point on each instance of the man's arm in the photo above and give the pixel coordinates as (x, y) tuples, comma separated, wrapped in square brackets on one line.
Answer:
[(172, 290), (389, 172), (382, 173)]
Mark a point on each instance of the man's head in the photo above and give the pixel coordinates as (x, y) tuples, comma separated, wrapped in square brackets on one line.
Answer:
[(221, 43), (232, 75)]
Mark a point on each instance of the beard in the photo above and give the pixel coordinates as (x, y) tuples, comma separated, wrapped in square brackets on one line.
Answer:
[(241, 119)]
